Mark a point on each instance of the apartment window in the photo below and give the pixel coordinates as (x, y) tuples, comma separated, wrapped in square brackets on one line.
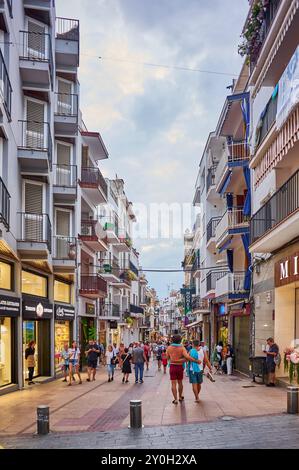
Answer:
[(6, 271), (34, 284), (62, 292)]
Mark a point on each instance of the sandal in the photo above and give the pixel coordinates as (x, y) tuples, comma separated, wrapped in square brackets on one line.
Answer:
[(181, 398), (175, 402)]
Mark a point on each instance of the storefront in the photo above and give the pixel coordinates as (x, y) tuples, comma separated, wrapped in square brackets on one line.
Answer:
[(103, 333), (286, 315), (37, 315), (9, 314), (63, 333), (240, 316), (222, 324)]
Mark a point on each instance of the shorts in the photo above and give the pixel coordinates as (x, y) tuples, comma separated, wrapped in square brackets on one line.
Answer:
[(270, 366), (195, 377), (74, 362), (176, 372), (159, 358), (65, 367), (92, 363)]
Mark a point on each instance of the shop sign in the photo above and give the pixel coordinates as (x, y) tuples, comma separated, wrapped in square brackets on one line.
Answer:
[(64, 312), (287, 270), (90, 309), (9, 306), (36, 309)]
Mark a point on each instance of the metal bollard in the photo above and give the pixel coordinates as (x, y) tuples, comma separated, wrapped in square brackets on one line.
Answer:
[(43, 422), (135, 414), (292, 399)]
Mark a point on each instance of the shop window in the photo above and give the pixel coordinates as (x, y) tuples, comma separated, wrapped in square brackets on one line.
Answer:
[(62, 292), (5, 351), (5, 276), (34, 284)]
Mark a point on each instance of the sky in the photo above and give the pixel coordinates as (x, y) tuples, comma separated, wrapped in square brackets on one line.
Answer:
[(155, 120)]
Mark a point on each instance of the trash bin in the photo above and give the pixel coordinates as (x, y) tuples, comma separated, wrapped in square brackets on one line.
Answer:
[(258, 368)]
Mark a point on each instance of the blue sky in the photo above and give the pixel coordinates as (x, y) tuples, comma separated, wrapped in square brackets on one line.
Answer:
[(155, 121)]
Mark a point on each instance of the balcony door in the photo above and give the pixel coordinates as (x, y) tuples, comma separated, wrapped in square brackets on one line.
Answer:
[(65, 97), (35, 127), (64, 169), (33, 223), (63, 233), (36, 44)]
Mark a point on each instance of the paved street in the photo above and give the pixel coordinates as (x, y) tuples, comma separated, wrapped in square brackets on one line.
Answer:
[(101, 406)]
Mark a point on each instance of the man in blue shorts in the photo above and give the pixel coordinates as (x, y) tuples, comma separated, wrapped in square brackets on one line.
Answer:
[(195, 370)]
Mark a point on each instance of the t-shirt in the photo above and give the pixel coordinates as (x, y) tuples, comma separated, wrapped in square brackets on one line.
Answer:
[(270, 357), (219, 349), (74, 353), (65, 356), (146, 350), (109, 355), (92, 355), (193, 366), (137, 356)]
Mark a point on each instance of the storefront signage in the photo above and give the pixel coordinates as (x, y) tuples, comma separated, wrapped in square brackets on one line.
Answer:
[(37, 309), (90, 309), (64, 312), (287, 270), (9, 306)]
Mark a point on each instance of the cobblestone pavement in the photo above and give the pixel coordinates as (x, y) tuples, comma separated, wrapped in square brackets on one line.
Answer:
[(102, 406), (267, 432)]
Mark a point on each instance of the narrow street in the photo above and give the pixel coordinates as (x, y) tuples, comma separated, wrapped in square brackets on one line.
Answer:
[(101, 406)]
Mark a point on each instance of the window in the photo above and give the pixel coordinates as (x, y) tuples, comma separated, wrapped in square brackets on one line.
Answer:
[(62, 292), (34, 284), (5, 276)]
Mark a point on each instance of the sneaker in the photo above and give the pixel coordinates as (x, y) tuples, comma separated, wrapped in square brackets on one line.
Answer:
[(141, 381), (136, 381)]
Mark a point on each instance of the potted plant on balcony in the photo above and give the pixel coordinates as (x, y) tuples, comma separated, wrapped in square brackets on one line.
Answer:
[(252, 34)]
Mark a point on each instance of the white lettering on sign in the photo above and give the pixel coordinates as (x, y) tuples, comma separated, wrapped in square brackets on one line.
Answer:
[(284, 270)]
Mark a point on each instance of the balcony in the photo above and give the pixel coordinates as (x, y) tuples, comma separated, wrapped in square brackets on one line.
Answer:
[(231, 286), (110, 270), (211, 195), (276, 222), (64, 254), (40, 9), (65, 183), (35, 147), (196, 265), (5, 89), (229, 168), (4, 205), (200, 305), (67, 43), (92, 286), (66, 114), (233, 222), (94, 185), (134, 269), (35, 236), (36, 60), (136, 312), (110, 311), (268, 120), (124, 281), (124, 244), (110, 225), (212, 278), (211, 230), (93, 236)]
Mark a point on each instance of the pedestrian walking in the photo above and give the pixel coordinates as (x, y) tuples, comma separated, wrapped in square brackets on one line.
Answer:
[(126, 365), (92, 353), (138, 359), (272, 359), (121, 351), (65, 361), (164, 361), (159, 354), (74, 361), (177, 355), (30, 358), (196, 369), (229, 359), (110, 362), (147, 352)]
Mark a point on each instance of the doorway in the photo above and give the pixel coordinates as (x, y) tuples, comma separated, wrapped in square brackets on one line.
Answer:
[(241, 343)]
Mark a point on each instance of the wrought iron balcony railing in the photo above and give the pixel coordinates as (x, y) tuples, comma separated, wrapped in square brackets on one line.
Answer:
[(36, 135), (64, 248), (4, 205), (283, 203), (212, 277), (67, 28), (37, 47), (211, 227), (93, 283), (91, 176), (66, 104), (5, 87), (65, 175)]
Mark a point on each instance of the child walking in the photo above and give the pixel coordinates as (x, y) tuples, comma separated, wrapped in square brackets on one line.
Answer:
[(164, 361)]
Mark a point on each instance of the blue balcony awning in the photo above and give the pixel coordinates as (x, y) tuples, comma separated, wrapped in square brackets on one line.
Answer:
[(236, 108), (225, 245), (225, 183)]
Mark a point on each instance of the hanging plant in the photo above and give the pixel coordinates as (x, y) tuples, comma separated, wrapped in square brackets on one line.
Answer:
[(252, 34)]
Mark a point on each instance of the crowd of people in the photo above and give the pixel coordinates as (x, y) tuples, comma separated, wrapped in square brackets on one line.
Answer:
[(180, 356)]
